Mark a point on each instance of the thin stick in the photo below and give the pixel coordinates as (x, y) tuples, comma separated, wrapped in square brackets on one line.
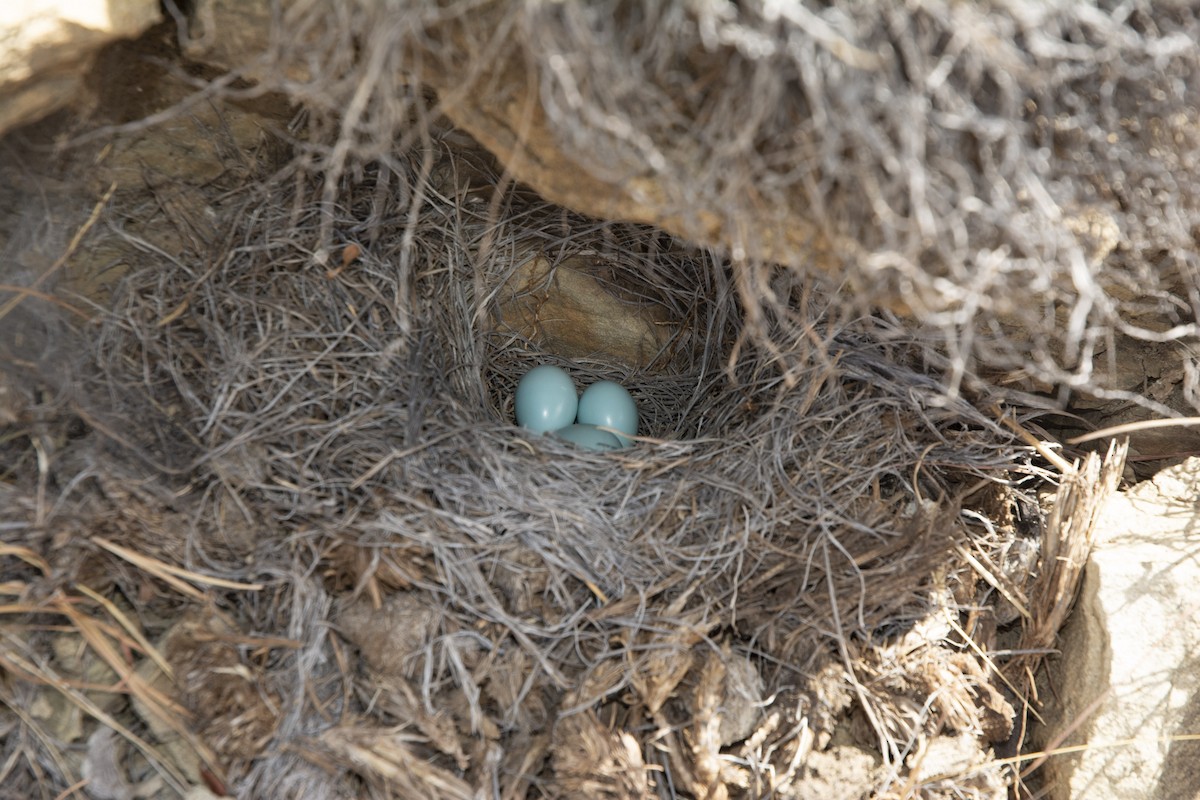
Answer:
[(49, 298), (25, 554), (169, 573), (1133, 427), (995, 582), (131, 628), (165, 706), (1054, 458), (1041, 755)]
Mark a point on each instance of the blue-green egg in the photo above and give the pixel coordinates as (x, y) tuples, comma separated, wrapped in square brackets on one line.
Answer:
[(589, 436), (609, 405), (546, 399)]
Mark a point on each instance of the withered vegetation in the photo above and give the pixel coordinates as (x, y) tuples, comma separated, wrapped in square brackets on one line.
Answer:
[(270, 529)]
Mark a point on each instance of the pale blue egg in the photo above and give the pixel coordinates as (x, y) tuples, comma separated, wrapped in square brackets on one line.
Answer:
[(608, 405), (589, 436), (546, 399)]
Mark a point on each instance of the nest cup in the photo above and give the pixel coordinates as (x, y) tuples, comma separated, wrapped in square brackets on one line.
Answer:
[(615, 317)]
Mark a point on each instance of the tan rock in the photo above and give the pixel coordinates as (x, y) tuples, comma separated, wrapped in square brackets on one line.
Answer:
[(48, 46), (1128, 681), (230, 33), (570, 310)]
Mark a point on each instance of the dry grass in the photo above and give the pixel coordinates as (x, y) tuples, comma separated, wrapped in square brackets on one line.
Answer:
[(272, 526)]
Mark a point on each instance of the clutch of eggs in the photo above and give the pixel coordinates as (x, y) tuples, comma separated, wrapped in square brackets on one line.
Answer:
[(547, 401)]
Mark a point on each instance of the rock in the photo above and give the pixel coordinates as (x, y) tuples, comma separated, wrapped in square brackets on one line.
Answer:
[(1128, 680), (1156, 370), (576, 310), (958, 764), (392, 637), (743, 701), (48, 48), (840, 773), (232, 33)]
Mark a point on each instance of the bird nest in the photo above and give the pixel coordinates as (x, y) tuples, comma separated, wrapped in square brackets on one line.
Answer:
[(296, 494)]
